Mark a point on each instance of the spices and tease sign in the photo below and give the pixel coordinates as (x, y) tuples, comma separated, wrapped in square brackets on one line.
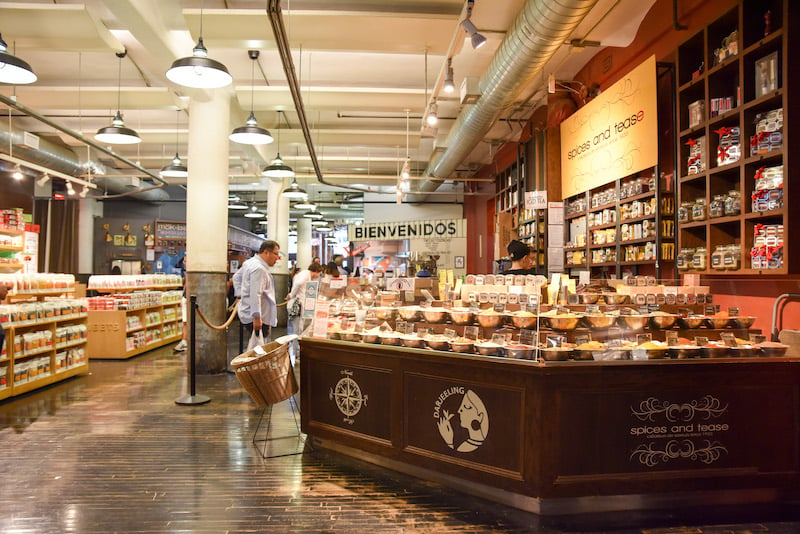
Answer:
[(614, 135)]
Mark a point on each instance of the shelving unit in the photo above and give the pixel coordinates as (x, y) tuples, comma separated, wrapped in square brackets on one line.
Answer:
[(616, 225), (8, 252), (109, 331), (751, 36)]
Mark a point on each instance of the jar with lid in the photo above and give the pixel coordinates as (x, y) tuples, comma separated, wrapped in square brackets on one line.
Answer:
[(717, 257), (699, 259), (683, 260), (699, 210), (685, 211), (732, 258), (717, 207), (733, 203)]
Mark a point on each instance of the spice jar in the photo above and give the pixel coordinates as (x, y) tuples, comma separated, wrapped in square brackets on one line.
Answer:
[(699, 259), (717, 257), (699, 210), (717, 207), (685, 211), (733, 203), (732, 258), (684, 259)]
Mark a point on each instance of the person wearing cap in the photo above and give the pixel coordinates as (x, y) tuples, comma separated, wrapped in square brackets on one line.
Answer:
[(257, 307), (519, 253)]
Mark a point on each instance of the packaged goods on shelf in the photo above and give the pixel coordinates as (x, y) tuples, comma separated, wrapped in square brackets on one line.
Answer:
[(34, 312), (696, 162), (3, 377), (729, 145), (36, 283), (721, 105), (12, 219), (768, 191), (139, 281), (12, 241), (767, 250), (697, 112), (769, 132)]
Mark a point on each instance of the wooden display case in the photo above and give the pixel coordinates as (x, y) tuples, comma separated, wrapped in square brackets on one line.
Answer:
[(734, 69), (109, 330), (9, 252), (53, 371)]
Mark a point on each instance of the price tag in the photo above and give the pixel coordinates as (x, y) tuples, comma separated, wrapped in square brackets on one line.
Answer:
[(337, 283), (639, 354), (408, 296), (502, 298), (499, 339), (653, 308), (523, 298), (733, 312), (471, 332), (533, 308), (449, 332), (757, 338), (409, 328), (614, 336), (427, 295), (500, 308), (400, 326), (672, 338), (644, 310), (701, 341), (582, 339), (626, 311), (526, 337), (728, 339), (711, 310), (592, 308), (643, 338), (612, 307), (422, 332), (554, 341)]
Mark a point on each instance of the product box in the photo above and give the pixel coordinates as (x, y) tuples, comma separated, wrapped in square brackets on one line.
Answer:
[(728, 148), (697, 112), (696, 162), (769, 132)]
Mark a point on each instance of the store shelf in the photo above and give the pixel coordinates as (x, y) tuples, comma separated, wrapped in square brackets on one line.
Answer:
[(70, 344), (52, 378), (37, 352), (5, 248), (133, 289), (43, 293), (11, 231)]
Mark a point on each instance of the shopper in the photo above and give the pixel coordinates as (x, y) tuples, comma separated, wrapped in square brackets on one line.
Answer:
[(257, 307), (338, 259), (297, 298), (519, 253), (331, 269)]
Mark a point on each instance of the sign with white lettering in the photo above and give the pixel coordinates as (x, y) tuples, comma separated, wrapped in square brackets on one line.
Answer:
[(408, 230)]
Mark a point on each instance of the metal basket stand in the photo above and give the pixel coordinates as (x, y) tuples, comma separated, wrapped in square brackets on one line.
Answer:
[(298, 435)]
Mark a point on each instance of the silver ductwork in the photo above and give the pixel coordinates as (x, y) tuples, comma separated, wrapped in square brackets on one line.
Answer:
[(62, 159), (541, 27)]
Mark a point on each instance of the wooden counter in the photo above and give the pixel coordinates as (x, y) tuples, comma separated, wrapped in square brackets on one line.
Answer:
[(561, 437)]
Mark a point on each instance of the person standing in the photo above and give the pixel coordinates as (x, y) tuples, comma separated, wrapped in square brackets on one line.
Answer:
[(297, 297), (257, 307), (519, 253)]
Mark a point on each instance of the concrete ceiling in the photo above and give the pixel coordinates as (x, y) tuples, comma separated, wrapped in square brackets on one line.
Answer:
[(361, 64)]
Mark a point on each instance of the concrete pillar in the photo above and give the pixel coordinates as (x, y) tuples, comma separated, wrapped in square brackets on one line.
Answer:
[(278, 230), (304, 252), (207, 222)]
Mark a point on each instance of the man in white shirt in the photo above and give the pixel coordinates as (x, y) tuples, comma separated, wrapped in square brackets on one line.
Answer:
[(257, 307)]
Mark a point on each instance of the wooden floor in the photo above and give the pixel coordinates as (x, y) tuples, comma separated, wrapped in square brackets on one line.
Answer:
[(112, 452)]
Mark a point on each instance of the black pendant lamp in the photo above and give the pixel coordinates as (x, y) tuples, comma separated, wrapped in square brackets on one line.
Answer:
[(13, 70), (198, 70), (118, 133), (177, 169), (251, 133)]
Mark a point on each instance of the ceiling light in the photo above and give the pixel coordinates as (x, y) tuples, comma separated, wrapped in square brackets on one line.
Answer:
[(198, 70), (432, 117), (43, 180), (118, 133), (251, 133), (177, 169), (12, 69), (478, 40), (236, 205), (449, 85), (278, 169), (254, 215), (305, 205), (17, 173), (70, 189), (405, 174), (324, 229), (264, 222), (84, 191), (294, 191), (233, 198), (318, 222), (313, 214)]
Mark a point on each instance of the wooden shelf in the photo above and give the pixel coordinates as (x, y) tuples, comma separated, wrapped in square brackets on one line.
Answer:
[(40, 294), (9, 231), (52, 378), (6, 248)]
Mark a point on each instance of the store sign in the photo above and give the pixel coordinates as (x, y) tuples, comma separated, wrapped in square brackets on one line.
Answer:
[(408, 229), (614, 135)]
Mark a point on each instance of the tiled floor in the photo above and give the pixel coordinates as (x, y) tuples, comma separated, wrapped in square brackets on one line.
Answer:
[(112, 452)]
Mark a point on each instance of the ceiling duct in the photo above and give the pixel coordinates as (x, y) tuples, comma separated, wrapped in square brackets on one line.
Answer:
[(541, 27)]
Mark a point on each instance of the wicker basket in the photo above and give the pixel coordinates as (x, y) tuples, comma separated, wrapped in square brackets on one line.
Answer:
[(266, 373)]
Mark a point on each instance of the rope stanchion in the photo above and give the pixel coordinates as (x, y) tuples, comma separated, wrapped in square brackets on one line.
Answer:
[(192, 399), (233, 307)]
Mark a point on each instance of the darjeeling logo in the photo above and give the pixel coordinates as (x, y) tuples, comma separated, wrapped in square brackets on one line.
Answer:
[(473, 420)]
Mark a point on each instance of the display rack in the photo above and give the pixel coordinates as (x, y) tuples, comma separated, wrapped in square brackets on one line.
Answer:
[(9, 252), (730, 75), (111, 337)]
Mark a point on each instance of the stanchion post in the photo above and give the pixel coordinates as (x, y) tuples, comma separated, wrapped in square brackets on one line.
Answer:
[(192, 399)]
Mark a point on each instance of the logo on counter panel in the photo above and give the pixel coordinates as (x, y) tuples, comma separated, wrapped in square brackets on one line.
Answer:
[(473, 420), (688, 430), (348, 396)]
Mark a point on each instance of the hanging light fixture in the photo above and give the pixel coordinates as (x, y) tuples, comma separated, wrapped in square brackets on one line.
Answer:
[(305, 205), (432, 117), (17, 172), (118, 133), (254, 213), (176, 169), (405, 172), (84, 191), (313, 214), (251, 133), (236, 205), (477, 39), (278, 169), (449, 84), (198, 70), (12, 69), (70, 189)]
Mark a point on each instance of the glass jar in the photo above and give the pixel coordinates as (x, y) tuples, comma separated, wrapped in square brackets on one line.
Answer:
[(699, 259), (733, 203), (717, 207), (699, 210), (732, 258), (684, 259), (717, 257), (685, 211)]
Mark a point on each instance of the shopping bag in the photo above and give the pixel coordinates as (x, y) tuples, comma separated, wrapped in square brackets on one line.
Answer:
[(256, 339)]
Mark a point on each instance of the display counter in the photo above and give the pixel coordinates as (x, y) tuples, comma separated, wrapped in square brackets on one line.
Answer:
[(562, 437)]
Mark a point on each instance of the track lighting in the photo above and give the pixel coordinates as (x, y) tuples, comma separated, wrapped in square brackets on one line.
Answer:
[(43, 180), (84, 191), (17, 173), (432, 117), (13, 70), (477, 39), (449, 84), (70, 189)]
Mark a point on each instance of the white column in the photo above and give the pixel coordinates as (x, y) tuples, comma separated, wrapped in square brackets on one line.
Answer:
[(304, 252), (207, 184), (278, 221)]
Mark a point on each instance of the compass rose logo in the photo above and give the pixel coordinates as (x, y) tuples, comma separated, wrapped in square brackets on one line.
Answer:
[(348, 396)]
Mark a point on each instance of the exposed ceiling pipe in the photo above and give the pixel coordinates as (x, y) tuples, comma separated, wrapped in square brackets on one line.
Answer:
[(541, 27), (285, 52), (159, 182)]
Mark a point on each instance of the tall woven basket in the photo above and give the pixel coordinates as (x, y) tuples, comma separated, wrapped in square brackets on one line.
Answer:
[(266, 373)]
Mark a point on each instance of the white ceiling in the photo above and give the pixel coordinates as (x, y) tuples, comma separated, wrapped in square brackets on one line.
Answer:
[(361, 64)]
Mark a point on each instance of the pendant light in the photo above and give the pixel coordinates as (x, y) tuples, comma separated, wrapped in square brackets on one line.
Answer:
[(253, 212), (251, 133), (305, 205), (313, 214), (449, 84), (176, 169), (278, 169), (198, 70), (12, 69), (118, 133)]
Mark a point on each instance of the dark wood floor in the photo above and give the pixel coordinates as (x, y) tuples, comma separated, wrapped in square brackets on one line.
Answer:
[(112, 452)]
